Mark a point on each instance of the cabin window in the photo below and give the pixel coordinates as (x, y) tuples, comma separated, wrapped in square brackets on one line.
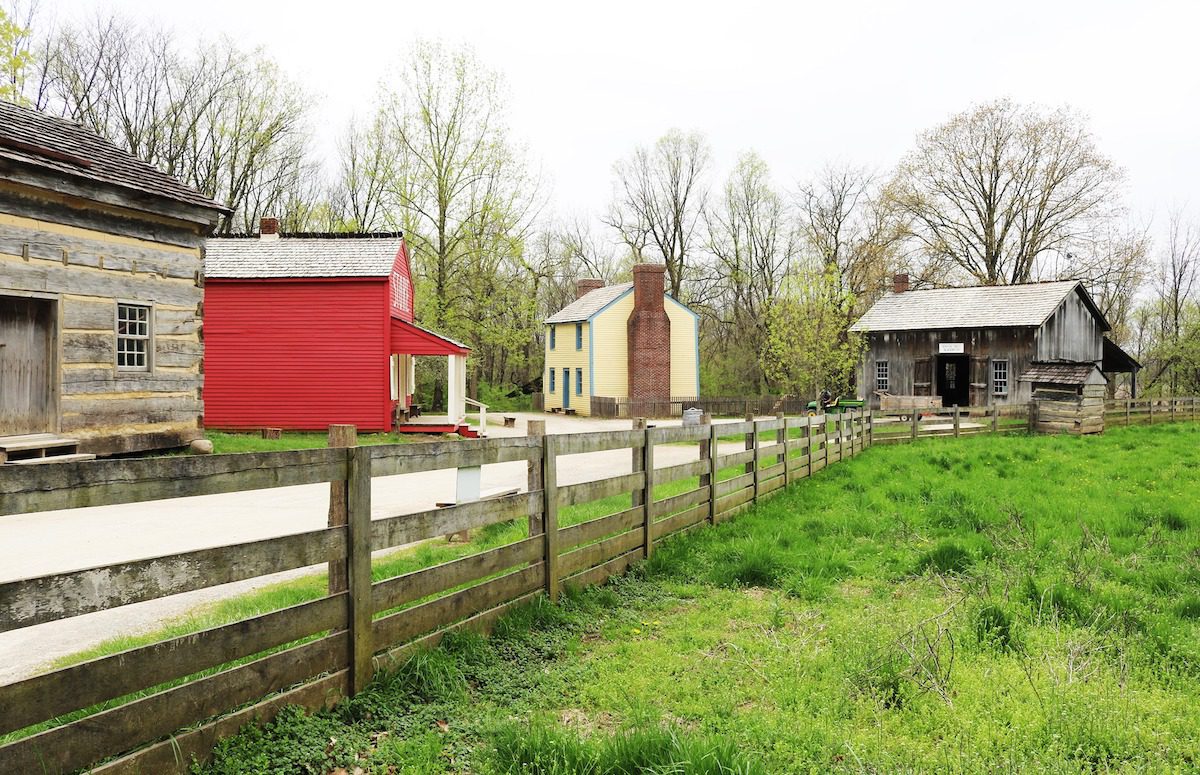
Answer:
[(551, 380), (578, 382), (133, 337), (1000, 378), (881, 375), (552, 343), (579, 336)]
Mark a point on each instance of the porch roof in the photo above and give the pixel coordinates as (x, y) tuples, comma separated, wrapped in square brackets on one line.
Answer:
[(410, 339)]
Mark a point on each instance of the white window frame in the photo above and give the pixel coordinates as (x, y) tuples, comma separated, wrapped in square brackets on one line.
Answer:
[(553, 336), (998, 383), (146, 336), (551, 380), (883, 375), (578, 381)]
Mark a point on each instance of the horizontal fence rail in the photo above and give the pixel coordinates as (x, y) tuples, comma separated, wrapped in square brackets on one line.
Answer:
[(153, 708)]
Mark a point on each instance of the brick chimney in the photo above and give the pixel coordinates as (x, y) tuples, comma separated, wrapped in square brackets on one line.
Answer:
[(899, 283), (649, 337), (268, 228), (587, 285)]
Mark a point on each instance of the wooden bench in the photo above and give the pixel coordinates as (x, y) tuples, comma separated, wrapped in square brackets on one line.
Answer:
[(510, 422)]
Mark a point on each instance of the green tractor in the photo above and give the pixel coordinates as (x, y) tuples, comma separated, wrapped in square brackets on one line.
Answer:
[(827, 404)]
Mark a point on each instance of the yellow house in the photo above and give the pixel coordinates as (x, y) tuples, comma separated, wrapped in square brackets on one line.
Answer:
[(629, 341)]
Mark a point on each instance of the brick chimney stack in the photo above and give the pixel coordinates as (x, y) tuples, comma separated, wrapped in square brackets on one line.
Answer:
[(587, 285), (649, 336), (900, 283), (268, 228)]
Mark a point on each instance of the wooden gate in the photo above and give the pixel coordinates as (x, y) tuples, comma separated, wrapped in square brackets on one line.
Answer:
[(28, 362)]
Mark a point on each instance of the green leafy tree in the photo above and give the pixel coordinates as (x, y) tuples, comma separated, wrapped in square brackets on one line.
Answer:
[(15, 58), (807, 346)]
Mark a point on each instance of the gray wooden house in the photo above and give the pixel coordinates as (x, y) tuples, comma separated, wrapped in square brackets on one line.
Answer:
[(100, 295), (974, 346)]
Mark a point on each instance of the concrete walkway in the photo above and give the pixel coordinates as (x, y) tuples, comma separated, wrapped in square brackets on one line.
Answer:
[(57, 541)]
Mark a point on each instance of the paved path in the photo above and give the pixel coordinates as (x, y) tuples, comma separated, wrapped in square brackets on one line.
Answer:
[(57, 541)]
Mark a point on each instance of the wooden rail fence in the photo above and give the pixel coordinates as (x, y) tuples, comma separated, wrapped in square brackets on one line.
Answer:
[(157, 707)]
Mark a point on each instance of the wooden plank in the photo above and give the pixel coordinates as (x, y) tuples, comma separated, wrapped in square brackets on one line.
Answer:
[(358, 567), (550, 516), (27, 602), (175, 755), (770, 472), (397, 459), (600, 552), (84, 742), (735, 459), (402, 627), (736, 483), (683, 519), (408, 528), (593, 529), (678, 502), (106, 482), (772, 424), (579, 443), (648, 497), (732, 501), (774, 449), (601, 573), (679, 433), (771, 485), (406, 588), (739, 428), (681, 471), (584, 492), (53, 694), (482, 622)]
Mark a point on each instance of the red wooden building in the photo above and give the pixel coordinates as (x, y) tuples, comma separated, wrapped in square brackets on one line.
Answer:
[(303, 331)]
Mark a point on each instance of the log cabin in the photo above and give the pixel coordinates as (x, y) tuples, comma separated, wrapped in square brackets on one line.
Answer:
[(100, 294), (980, 345)]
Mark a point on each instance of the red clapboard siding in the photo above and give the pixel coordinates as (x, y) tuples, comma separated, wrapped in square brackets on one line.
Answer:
[(401, 286), (296, 354)]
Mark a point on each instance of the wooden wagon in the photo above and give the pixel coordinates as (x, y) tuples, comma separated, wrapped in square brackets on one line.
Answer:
[(894, 403)]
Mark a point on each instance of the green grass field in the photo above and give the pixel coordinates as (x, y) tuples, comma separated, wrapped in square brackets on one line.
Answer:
[(985, 604), (228, 443)]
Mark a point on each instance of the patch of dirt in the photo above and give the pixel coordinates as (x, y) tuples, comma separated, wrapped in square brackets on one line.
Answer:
[(577, 718)]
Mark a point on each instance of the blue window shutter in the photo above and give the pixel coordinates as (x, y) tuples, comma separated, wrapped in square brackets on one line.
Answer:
[(579, 336), (552, 339), (578, 382), (551, 380)]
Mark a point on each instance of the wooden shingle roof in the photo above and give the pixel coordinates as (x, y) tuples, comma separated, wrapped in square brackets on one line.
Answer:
[(985, 306), (282, 257), (589, 304), (1063, 373), (68, 149)]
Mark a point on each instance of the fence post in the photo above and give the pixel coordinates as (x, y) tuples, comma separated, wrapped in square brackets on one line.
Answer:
[(1171, 403), (708, 451), (995, 417), (809, 452), (639, 461), (915, 420), (550, 515), (358, 565), (825, 433), (756, 463), (781, 438), (787, 452), (751, 440), (1032, 416), (1128, 403), (870, 427), (340, 436), (956, 421), (535, 429), (648, 494), (1150, 402)]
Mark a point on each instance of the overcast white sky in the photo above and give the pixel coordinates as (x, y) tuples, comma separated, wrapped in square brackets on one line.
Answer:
[(801, 83)]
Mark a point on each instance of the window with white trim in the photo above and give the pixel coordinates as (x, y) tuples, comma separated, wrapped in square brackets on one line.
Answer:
[(551, 380), (552, 330), (133, 337), (1000, 378), (881, 375), (578, 382)]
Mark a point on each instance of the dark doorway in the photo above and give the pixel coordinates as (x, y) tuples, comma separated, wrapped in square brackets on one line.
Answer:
[(954, 380), (28, 366)]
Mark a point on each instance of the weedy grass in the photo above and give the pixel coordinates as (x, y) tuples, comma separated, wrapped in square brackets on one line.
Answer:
[(979, 604)]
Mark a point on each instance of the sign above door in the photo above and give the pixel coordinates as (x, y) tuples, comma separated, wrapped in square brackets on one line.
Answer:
[(950, 348)]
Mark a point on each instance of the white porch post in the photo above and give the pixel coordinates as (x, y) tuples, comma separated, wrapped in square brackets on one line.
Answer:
[(456, 387)]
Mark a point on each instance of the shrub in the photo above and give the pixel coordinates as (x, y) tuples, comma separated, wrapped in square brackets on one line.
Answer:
[(946, 557), (994, 627)]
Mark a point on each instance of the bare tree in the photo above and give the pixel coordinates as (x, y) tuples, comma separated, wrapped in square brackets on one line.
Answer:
[(361, 194), (1171, 319), (995, 189), (660, 194)]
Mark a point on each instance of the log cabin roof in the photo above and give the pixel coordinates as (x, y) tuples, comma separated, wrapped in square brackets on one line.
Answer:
[(985, 306), (283, 257), (1063, 373), (64, 148)]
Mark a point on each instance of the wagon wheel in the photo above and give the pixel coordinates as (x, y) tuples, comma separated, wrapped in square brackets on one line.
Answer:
[(812, 412)]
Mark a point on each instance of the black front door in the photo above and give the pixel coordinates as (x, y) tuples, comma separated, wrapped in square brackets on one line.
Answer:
[(954, 380)]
